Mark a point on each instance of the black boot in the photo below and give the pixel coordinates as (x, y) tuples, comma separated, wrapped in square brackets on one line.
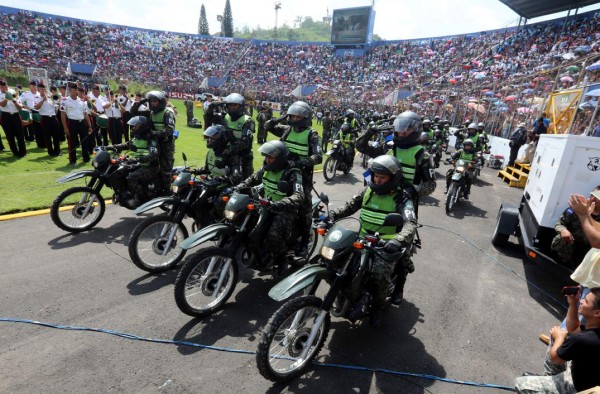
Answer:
[(376, 315), (398, 294)]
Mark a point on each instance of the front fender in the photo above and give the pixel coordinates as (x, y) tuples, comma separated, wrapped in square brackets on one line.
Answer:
[(297, 281), (76, 175), (208, 233), (155, 203), (457, 176)]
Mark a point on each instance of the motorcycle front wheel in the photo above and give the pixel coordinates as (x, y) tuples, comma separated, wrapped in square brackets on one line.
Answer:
[(205, 282), (452, 196), (150, 239), (77, 209), (281, 352), (330, 168)]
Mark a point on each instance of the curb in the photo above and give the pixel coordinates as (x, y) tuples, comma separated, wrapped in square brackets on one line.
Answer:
[(39, 212)]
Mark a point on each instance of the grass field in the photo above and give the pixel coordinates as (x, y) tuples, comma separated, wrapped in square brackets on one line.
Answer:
[(29, 183)]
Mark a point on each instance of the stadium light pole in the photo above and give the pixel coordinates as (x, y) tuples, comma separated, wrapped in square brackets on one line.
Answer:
[(277, 8)]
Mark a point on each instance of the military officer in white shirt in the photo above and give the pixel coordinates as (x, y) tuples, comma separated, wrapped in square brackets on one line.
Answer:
[(50, 130), (77, 125), (29, 99), (115, 125)]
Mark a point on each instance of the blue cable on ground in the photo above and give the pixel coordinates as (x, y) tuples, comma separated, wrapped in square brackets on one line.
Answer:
[(562, 305), (239, 351)]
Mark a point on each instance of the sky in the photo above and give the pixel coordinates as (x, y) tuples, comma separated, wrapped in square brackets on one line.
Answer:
[(394, 19)]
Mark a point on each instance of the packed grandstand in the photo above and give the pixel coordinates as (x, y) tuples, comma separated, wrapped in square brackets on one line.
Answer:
[(498, 75)]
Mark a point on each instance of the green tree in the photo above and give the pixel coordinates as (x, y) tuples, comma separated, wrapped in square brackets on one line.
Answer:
[(203, 22), (227, 22)]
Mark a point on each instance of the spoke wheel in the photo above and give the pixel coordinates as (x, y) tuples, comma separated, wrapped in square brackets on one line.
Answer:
[(279, 355), (149, 240), (452, 196), (205, 282), (77, 209), (330, 168)]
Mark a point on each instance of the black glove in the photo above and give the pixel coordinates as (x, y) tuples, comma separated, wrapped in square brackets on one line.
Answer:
[(392, 246), (277, 206), (219, 163), (133, 148), (143, 101)]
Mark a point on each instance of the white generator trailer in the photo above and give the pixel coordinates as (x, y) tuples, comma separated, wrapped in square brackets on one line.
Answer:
[(563, 165)]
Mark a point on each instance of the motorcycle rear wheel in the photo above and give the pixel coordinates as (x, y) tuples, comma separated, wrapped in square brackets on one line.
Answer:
[(195, 287), (284, 338), (70, 205), (148, 241), (452, 196), (330, 168)]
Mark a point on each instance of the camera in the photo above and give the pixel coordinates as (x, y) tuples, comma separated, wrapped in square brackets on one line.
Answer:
[(570, 290)]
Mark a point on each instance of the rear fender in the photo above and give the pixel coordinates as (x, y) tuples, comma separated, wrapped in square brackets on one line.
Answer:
[(76, 175), (298, 281), (212, 232), (155, 203), (508, 219)]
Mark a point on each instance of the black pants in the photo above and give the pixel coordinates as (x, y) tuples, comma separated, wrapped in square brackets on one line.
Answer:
[(126, 118), (514, 151), (51, 133), (78, 136), (115, 130), (15, 135)]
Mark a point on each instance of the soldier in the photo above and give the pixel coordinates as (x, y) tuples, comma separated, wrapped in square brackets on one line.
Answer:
[(262, 118), (284, 205), (416, 167), (570, 243), (144, 149), (385, 194), (11, 121), (189, 109), (305, 151), (327, 126), (162, 121)]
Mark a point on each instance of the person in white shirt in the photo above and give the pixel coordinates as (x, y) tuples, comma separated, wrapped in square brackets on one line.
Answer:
[(125, 103), (115, 125), (100, 104), (11, 121), (49, 124), (77, 125), (34, 130), (205, 106)]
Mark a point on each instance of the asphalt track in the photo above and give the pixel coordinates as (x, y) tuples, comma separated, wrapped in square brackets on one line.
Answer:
[(465, 316)]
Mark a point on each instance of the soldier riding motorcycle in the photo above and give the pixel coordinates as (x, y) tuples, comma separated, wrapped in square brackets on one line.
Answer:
[(134, 181)]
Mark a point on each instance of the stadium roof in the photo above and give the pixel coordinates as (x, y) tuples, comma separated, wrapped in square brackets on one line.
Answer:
[(533, 8)]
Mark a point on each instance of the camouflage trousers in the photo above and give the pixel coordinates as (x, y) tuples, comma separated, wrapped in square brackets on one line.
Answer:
[(571, 254), (247, 165), (557, 379), (137, 179), (277, 237), (261, 135), (381, 276), (166, 158)]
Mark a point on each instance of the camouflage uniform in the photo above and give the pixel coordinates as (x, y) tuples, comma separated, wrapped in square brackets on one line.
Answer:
[(275, 243), (381, 269), (148, 169), (262, 117), (571, 254), (189, 110), (327, 126), (557, 379), (424, 177)]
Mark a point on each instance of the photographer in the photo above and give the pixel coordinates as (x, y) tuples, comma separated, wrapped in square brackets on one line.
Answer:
[(517, 139)]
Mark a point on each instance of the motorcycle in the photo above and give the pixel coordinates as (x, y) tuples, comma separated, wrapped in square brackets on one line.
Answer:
[(297, 331), (436, 153), (458, 184), (208, 278), (79, 209), (336, 161), (154, 243)]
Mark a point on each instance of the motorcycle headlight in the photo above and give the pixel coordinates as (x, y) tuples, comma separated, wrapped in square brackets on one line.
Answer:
[(174, 189), (327, 252), (460, 169), (229, 215), (335, 144)]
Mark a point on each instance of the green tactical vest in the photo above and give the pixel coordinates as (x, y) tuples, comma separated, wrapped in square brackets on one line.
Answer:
[(211, 158), (142, 149), (373, 212), (158, 120), (408, 158), (474, 139), (297, 143), (466, 156), (270, 180), (430, 134), (236, 126)]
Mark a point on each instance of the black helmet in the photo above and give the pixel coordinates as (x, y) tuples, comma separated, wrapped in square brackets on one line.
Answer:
[(140, 127), (235, 98), (471, 144), (387, 165), (218, 137), (436, 119), (300, 108), (424, 137), (345, 127), (350, 114), (156, 95), (278, 150), (407, 128)]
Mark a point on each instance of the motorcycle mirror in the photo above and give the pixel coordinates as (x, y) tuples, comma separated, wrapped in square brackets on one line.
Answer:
[(324, 198), (284, 187), (393, 219), (184, 156)]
